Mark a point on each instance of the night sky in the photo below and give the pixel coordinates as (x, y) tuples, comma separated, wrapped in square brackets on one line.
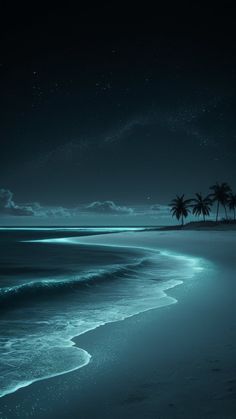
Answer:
[(107, 114)]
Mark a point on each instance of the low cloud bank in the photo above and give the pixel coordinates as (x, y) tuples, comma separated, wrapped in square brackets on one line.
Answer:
[(9, 207), (108, 207)]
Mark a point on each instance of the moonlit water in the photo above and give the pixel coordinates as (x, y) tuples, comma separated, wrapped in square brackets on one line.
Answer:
[(54, 288)]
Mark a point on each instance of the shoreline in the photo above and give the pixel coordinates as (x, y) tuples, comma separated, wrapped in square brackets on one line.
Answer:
[(165, 298), (121, 372)]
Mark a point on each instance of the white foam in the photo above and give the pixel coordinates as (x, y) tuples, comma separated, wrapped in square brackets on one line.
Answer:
[(47, 350)]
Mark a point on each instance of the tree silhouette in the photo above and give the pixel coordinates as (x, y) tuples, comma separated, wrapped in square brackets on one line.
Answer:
[(232, 203), (220, 195), (202, 206), (180, 207)]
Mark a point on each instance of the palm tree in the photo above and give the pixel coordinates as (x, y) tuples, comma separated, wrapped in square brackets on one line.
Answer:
[(202, 206), (220, 195), (232, 203), (180, 207)]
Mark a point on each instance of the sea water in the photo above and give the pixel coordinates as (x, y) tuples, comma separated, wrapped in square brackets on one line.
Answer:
[(54, 287)]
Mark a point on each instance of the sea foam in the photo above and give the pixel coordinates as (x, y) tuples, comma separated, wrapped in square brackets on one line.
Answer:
[(37, 338)]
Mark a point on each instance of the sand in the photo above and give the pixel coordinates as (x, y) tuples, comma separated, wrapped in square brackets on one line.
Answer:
[(178, 361)]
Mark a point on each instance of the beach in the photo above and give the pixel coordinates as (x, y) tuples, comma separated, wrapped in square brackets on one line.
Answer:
[(175, 361)]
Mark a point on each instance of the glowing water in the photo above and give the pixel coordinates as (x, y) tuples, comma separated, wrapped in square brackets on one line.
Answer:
[(36, 342)]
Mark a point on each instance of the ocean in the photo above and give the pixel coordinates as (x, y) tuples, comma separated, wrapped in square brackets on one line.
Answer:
[(54, 286)]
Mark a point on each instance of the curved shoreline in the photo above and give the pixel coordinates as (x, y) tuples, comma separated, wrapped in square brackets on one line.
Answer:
[(174, 362), (162, 288)]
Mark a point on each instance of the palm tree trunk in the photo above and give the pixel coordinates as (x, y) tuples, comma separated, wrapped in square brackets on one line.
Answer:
[(217, 210), (234, 214), (204, 218), (182, 220), (226, 215)]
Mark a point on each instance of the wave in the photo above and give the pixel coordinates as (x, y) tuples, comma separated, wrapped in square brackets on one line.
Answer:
[(37, 289), (36, 343)]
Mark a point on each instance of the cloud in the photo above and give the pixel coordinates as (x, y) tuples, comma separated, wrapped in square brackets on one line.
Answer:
[(35, 209), (9, 207), (155, 211), (107, 207), (145, 214), (56, 212)]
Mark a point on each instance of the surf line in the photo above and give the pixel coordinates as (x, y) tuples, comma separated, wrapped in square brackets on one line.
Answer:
[(196, 263)]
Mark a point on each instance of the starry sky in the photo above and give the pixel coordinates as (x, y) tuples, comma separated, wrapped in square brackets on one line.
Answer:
[(106, 115)]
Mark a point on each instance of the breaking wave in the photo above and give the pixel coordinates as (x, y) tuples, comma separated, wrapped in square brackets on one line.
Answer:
[(41, 317)]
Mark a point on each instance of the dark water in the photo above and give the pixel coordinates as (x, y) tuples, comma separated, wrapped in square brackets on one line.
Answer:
[(53, 290)]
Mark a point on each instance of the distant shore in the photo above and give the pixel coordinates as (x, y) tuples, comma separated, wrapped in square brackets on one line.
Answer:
[(203, 225)]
